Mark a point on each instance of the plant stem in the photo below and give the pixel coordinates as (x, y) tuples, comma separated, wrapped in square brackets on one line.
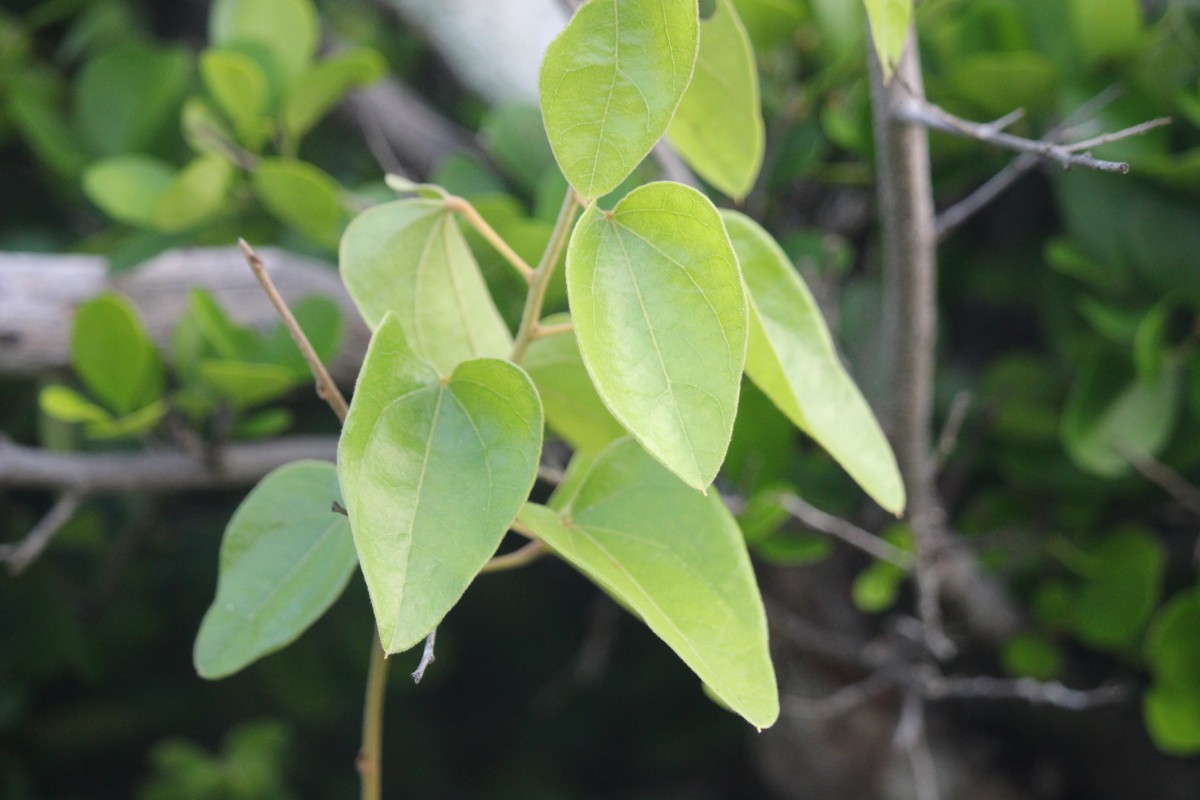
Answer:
[(467, 211), (528, 553), (370, 757), (327, 390), (529, 328)]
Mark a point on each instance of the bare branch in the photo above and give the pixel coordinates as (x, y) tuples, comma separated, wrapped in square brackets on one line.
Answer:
[(1048, 693), (911, 739), (948, 439), (841, 702), (156, 470), (918, 110), (20, 555), (845, 530)]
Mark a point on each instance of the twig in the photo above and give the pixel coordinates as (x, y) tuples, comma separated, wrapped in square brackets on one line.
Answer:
[(845, 530), (20, 555), (842, 701), (948, 439), (528, 329), (561, 328), (327, 390), (370, 754), (155, 471), (912, 740), (969, 206), (919, 110), (1048, 693), (467, 211), (1165, 478), (427, 657)]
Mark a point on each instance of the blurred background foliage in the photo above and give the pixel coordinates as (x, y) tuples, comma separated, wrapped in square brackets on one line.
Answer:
[(1068, 312)]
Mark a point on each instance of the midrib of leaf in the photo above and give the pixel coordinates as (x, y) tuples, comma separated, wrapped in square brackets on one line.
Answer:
[(608, 99), (637, 290), (452, 268), (422, 266), (406, 542)]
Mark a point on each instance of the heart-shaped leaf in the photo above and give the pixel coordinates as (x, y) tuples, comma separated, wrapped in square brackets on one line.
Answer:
[(793, 360), (433, 471), (611, 82), (718, 128), (676, 559), (409, 256), (661, 319), (286, 557)]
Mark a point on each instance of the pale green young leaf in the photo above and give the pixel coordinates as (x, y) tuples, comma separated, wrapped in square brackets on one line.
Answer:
[(718, 128), (889, 21), (409, 257), (67, 405), (433, 471), (243, 383), (1107, 29), (240, 89), (198, 194), (611, 82), (302, 196), (114, 356), (285, 558), (139, 422), (676, 559), (573, 409), (661, 319), (284, 30), (323, 84), (127, 188), (792, 359)]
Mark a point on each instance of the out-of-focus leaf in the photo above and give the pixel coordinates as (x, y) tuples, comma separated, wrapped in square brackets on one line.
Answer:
[(114, 356), (198, 194), (128, 188), (303, 196)]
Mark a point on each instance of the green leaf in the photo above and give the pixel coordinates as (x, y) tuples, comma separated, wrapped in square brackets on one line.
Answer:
[(433, 471), (246, 384), (285, 30), (285, 558), (127, 93), (198, 194), (661, 320), (1173, 719), (1121, 591), (718, 128), (68, 405), (314, 93), (35, 112), (264, 424), (303, 196), (127, 188), (409, 257), (675, 558), (226, 338), (770, 23), (1033, 656), (573, 409), (889, 21), (611, 82), (875, 588), (1107, 419), (240, 88), (516, 140), (792, 359), (113, 354), (1172, 706), (1106, 29), (144, 420)]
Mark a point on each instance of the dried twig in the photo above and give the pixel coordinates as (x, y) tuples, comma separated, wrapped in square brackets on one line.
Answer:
[(842, 701), (1048, 693), (948, 439), (845, 530), (1165, 478), (19, 556), (917, 109), (327, 390), (911, 739)]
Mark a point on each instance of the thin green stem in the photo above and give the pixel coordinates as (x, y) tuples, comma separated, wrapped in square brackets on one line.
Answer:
[(370, 757), (529, 328), (554, 330), (467, 211), (527, 553)]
